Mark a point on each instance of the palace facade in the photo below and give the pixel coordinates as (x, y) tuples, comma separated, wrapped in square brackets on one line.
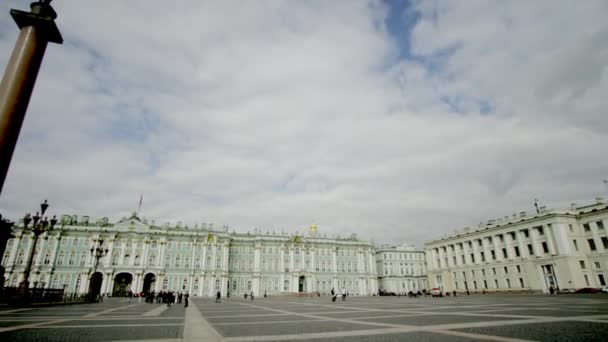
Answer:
[(142, 256), (561, 248), (401, 269)]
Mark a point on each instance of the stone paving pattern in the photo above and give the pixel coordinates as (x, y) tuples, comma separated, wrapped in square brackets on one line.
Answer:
[(464, 318)]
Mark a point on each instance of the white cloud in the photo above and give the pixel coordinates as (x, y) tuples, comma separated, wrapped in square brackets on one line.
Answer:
[(275, 114)]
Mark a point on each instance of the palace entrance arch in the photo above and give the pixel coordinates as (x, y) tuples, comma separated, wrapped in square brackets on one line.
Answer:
[(149, 283), (122, 284), (302, 284), (95, 284)]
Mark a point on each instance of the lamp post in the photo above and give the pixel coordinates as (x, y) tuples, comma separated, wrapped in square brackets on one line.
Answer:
[(40, 225), (5, 234), (37, 29), (98, 253)]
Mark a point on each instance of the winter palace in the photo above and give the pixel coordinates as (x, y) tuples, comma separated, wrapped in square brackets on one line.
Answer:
[(141, 256)]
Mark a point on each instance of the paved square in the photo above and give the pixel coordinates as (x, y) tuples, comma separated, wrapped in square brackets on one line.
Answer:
[(465, 318)]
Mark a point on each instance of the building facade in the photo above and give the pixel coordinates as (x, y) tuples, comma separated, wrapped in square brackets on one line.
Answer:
[(563, 249), (401, 269), (142, 256)]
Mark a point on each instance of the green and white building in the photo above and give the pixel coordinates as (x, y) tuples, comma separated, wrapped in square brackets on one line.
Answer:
[(201, 260)]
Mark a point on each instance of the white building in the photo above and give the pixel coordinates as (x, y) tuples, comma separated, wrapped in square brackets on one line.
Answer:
[(144, 257), (566, 249), (401, 269)]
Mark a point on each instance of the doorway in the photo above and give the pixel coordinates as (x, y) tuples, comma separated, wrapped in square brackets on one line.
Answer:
[(122, 284), (301, 284), (95, 284), (149, 282)]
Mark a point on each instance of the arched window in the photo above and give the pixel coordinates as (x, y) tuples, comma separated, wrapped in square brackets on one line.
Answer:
[(127, 259), (71, 260), (249, 285), (137, 260), (60, 258), (83, 258), (20, 258)]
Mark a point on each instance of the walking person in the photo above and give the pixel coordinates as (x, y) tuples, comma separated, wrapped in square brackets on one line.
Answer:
[(186, 296), (218, 297), (343, 294), (551, 290), (251, 296)]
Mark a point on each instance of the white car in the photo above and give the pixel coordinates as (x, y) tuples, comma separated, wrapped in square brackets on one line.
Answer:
[(436, 292), (604, 290)]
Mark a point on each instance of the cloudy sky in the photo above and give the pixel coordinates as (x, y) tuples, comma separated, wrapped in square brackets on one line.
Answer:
[(399, 121)]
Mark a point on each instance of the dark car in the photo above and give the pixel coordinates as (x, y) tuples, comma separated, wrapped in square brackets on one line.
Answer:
[(587, 290)]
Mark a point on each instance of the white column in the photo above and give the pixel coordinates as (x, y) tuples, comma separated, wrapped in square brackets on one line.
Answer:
[(550, 239), (257, 258), (42, 243), (190, 283), (146, 252), (162, 253), (13, 256), (132, 258), (108, 259), (204, 258), (110, 283)]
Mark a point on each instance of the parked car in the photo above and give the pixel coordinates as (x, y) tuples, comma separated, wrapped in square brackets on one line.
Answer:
[(566, 291), (588, 290), (605, 290), (436, 292)]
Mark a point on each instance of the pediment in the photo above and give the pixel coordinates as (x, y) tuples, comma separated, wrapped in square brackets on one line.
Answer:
[(131, 224)]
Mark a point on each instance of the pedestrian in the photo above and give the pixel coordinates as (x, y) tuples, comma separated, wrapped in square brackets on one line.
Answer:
[(551, 290), (130, 294), (170, 298), (218, 296), (343, 294), (251, 296), (334, 296), (454, 293), (332, 292), (186, 300)]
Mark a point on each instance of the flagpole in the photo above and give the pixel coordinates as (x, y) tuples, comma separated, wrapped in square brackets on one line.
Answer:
[(141, 197)]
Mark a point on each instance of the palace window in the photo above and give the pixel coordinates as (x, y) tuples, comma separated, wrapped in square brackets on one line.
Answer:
[(591, 244)]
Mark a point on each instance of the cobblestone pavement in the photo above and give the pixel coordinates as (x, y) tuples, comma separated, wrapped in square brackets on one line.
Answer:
[(464, 318)]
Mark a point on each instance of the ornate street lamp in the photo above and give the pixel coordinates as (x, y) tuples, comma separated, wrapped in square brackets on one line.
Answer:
[(98, 253), (40, 225)]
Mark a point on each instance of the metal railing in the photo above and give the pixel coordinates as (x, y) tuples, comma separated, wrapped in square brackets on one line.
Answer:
[(14, 296)]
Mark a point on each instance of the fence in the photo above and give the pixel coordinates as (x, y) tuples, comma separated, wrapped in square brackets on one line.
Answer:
[(13, 296)]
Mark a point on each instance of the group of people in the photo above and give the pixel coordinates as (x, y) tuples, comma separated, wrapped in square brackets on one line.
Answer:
[(334, 294), (162, 297)]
